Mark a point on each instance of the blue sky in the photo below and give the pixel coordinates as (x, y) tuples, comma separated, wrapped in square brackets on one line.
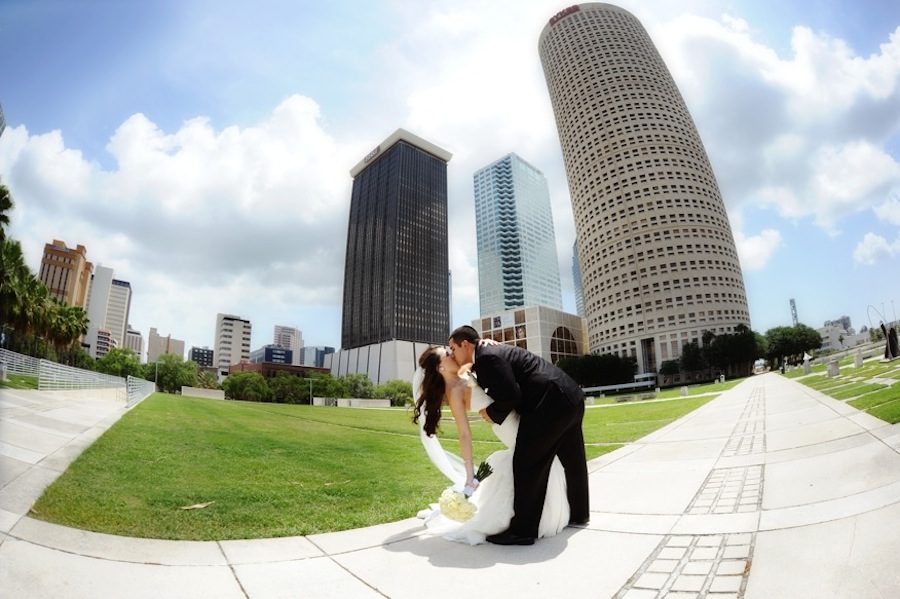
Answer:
[(202, 149)]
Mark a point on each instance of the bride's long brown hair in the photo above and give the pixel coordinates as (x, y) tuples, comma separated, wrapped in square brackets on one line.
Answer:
[(431, 396)]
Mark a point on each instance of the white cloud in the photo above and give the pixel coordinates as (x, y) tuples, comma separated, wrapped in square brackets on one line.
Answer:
[(250, 221), (756, 251), (889, 211), (845, 180), (874, 249), (826, 78)]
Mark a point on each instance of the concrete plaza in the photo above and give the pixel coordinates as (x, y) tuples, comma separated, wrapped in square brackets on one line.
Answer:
[(771, 490)]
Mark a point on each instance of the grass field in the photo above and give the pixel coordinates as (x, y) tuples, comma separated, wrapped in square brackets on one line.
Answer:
[(854, 385), (16, 381), (185, 468)]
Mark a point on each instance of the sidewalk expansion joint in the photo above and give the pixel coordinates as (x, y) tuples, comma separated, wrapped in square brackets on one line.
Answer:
[(701, 566)]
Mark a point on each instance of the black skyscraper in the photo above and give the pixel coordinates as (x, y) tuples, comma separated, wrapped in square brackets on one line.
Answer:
[(396, 275)]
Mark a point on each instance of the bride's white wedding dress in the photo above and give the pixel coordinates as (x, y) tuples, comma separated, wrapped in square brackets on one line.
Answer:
[(494, 496)]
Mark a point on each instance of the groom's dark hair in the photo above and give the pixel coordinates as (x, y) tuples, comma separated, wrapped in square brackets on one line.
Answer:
[(465, 333)]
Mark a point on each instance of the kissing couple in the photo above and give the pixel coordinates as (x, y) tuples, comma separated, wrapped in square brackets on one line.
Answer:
[(539, 484)]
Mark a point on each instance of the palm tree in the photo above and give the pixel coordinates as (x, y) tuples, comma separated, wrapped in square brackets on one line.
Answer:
[(34, 317), (207, 380), (14, 275), (72, 325), (6, 206), (25, 303)]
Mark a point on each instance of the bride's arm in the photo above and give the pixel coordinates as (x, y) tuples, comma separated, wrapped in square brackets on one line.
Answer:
[(456, 400)]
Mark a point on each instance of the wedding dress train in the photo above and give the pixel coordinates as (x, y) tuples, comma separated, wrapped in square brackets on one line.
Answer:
[(494, 496)]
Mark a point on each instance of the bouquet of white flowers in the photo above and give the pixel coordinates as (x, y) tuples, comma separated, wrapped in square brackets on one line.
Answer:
[(456, 506)]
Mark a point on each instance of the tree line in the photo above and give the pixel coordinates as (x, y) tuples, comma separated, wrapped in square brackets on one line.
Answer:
[(729, 354), (287, 388), (171, 373)]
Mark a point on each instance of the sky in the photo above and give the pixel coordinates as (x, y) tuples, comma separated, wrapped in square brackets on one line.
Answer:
[(201, 149)]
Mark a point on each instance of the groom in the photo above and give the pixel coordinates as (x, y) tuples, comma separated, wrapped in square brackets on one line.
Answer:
[(551, 407)]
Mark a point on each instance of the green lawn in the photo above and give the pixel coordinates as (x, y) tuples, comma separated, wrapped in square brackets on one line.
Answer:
[(16, 381), (877, 398), (855, 390), (271, 470), (854, 384)]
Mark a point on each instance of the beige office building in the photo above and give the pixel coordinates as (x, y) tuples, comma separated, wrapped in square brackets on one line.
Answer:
[(66, 273), (550, 333), (157, 345), (134, 341), (232, 344), (289, 338), (658, 259)]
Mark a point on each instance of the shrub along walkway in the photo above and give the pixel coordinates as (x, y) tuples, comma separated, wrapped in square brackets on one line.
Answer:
[(771, 490)]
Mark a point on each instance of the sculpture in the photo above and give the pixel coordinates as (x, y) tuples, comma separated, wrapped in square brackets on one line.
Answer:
[(891, 350)]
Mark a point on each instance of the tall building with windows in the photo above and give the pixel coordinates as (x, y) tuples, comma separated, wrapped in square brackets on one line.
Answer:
[(316, 356), (204, 357), (271, 354), (97, 339), (232, 342), (66, 273), (118, 310), (657, 255), (157, 346), (108, 306), (396, 274), (517, 259), (134, 341), (289, 338)]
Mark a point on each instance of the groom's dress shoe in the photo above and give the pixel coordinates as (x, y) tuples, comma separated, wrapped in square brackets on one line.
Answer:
[(508, 538), (579, 523)]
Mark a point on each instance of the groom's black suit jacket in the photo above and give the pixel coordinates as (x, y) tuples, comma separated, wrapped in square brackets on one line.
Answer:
[(517, 379)]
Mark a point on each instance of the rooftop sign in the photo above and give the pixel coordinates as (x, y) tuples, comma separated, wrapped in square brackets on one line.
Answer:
[(563, 14)]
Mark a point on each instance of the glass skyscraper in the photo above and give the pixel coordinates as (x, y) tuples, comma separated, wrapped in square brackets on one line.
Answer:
[(396, 276), (658, 259), (517, 259)]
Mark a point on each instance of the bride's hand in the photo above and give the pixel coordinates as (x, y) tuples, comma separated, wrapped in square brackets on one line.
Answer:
[(483, 342)]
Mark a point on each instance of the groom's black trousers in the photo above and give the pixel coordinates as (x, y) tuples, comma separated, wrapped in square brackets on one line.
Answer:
[(553, 429)]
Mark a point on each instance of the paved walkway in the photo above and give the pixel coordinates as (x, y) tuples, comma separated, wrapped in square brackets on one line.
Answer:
[(772, 490)]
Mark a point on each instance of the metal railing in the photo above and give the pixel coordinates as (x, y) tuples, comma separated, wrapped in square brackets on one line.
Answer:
[(19, 364), (139, 390), (59, 377)]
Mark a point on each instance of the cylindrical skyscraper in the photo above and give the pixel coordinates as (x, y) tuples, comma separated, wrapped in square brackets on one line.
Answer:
[(658, 258)]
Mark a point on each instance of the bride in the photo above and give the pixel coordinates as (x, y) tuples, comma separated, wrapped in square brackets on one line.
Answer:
[(437, 382)]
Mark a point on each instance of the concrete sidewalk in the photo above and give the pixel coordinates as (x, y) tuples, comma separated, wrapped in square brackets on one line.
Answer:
[(771, 490)]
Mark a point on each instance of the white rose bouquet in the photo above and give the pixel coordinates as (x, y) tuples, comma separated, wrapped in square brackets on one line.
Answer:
[(456, 506)]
